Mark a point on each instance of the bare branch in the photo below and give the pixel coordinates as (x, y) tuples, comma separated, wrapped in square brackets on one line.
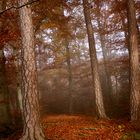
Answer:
[(18, 7)]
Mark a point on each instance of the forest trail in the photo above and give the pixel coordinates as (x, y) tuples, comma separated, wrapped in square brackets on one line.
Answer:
[(78, 127), (65, 127)]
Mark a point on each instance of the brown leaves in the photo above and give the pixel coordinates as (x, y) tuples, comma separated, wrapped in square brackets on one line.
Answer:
[(83, 128), (63, 127), (9, 29)]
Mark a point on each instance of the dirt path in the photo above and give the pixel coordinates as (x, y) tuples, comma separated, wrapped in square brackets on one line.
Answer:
[(65, 127)]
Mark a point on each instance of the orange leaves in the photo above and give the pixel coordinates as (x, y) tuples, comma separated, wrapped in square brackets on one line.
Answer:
[(83, 128), (64, 127)]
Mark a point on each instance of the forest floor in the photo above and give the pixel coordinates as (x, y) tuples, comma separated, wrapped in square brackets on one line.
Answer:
[(64, 127)]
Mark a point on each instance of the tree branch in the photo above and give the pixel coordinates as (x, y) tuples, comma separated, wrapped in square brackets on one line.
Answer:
[(18, 7)]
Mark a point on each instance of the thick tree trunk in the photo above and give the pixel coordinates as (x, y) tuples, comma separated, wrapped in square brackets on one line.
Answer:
[(31, 116), (134, 62), (94, 63)]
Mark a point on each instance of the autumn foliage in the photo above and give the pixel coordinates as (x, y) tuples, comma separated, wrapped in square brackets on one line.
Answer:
[(78, 127)]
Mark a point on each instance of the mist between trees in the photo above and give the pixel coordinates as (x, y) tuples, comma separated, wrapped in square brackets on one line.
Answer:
[(67, 57)]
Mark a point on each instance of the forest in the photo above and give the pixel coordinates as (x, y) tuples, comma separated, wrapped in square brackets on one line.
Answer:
[(69, 69)]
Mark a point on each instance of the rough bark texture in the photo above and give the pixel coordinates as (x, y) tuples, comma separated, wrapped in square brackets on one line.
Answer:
[(134, 61), (94, 63), (31, 117)]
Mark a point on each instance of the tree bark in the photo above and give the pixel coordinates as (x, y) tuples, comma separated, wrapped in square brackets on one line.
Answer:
[(134, 61), (94, 63), (105, 57), (31, 116)]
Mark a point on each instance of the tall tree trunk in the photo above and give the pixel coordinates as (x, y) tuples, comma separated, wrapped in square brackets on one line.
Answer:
[(106, 60), (31, 116), (138, 31), (104, 49), (69, 76), (66, 36), (134, 61), (94, 63)]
